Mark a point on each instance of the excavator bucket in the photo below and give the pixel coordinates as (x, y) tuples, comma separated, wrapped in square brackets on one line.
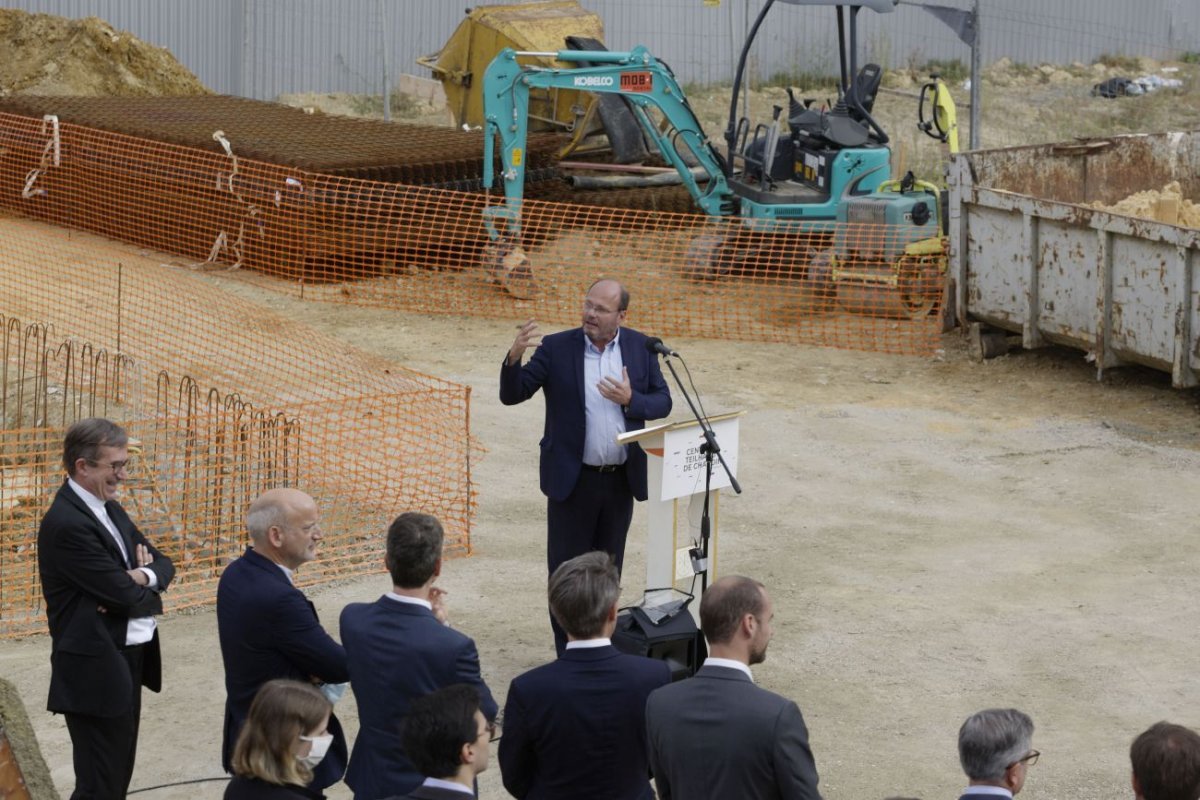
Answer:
[(509, 267)]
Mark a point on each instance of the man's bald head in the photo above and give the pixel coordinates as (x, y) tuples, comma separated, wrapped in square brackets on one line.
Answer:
[(283, 526)]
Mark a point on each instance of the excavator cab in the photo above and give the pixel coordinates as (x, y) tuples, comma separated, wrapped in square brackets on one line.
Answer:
[(803, 164), (823, 181)]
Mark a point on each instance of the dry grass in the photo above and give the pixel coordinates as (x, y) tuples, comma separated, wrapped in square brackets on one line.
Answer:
[(1020, 105)]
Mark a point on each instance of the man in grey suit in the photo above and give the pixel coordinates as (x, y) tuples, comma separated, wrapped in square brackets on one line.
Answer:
[(717, 735), (995, 750)]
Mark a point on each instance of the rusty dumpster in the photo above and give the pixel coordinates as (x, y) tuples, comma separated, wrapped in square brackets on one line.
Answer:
[(1031, 255)]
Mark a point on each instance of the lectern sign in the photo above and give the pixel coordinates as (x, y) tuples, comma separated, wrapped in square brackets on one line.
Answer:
[(684, 463), (675, 487)]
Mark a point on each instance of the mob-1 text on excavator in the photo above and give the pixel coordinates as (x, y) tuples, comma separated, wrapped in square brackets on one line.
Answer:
[(818, 189)]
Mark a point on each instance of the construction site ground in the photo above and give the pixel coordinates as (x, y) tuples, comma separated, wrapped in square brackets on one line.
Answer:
[(939, 536)]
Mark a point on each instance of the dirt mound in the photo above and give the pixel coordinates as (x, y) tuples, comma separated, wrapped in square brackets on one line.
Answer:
[(50, 55), (1166, 205)]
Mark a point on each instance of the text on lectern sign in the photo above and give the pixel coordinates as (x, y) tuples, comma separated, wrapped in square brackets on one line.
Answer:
[(684, 461)]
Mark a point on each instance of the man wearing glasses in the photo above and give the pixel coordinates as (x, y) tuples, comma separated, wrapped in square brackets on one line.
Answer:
[(449, 741), (599, 380), (101, 580), (995, 750)]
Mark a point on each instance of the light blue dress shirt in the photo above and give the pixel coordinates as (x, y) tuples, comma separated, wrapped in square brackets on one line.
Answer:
[(605, 419)]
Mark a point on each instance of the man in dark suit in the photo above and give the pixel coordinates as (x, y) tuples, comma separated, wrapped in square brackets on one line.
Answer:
[(448, 739), (400, 648), (101, 580), (1166, 762), (599, 381), (717, 735), (269, 629), (576, 727), (995, 750)]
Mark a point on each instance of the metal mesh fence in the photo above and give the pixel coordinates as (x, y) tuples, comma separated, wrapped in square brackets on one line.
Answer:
[(372, 242), (227, 400)]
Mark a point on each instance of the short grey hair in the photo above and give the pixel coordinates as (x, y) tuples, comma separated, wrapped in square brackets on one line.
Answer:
[(582, 591), (268, 511), (991, 741)]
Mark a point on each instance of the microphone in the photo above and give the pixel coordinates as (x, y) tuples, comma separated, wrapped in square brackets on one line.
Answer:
[(655, 345)]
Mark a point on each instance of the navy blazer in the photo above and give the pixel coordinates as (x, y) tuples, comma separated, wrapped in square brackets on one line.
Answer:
[(717, 734), (269, 629), (576, 727), (557, 369), (82, 569), (397, 653)]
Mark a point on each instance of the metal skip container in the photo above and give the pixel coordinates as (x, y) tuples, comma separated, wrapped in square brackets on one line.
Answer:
[(1031, 255), (541, 26)]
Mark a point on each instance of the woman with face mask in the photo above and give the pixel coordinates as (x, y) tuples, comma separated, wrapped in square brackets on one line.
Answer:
[(284, 737)]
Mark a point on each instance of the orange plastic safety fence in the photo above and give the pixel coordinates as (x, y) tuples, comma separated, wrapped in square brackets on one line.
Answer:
[(854, 284), (227, 399)]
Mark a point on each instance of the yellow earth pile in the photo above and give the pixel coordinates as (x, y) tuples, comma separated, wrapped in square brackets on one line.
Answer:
[(1166, 205), (51, 55)]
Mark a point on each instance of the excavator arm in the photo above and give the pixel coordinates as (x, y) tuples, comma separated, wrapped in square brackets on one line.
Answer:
[(636, 75)]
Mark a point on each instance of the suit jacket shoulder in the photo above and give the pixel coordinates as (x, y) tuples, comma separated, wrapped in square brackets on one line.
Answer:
[(720, 716)]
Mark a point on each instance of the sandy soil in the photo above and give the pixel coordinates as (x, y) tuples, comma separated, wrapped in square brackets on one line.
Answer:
[(939, 536), (49, 54)]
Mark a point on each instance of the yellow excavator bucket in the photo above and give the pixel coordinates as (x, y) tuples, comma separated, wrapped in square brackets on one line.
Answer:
[(540, 26)]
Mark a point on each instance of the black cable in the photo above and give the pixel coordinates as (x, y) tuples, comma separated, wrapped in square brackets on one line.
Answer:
[(178, 783)]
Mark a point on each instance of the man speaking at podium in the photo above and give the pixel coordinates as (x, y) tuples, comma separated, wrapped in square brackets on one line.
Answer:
[(599, 380)]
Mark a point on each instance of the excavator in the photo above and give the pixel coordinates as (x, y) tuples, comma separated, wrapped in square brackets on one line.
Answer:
[(815, 186)]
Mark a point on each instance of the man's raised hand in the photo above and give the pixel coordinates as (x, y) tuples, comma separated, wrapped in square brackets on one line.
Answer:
[(527, 336)]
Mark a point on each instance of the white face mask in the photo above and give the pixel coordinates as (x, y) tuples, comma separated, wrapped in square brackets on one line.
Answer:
[(320, 746)]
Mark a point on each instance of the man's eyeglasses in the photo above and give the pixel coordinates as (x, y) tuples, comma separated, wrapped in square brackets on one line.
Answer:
[(493, 728), (588, 306), (117, 466), (1028, 760)]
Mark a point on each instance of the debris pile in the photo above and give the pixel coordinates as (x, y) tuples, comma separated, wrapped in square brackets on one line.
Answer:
[(1165, 205), (51, 55)]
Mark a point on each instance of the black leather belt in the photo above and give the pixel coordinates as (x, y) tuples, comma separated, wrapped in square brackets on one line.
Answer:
[(604, 467)]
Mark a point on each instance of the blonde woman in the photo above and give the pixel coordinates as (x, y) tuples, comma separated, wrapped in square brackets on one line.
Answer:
[(283, 738)]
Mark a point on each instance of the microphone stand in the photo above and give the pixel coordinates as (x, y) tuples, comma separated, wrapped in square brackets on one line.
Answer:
[(710, 448)]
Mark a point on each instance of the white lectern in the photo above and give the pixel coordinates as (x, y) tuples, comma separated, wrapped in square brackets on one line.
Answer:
[(675, 500)]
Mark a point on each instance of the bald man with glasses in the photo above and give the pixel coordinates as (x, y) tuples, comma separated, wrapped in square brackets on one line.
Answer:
[(101, 580), (599, 381)]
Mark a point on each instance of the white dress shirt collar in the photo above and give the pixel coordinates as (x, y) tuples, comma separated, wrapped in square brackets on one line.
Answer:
[(998, 791), (416, 601), (583, 644), (438, 783), (94, 503)]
